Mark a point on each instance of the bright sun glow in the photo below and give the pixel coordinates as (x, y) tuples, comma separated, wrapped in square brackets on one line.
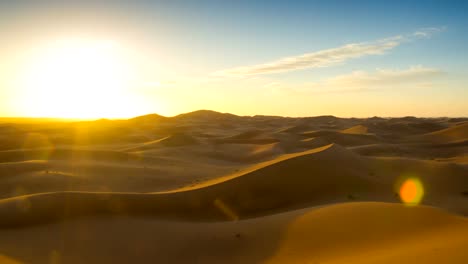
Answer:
[(79, 79)]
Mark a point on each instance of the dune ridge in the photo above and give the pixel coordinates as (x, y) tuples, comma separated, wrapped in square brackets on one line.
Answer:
[(293, 181)]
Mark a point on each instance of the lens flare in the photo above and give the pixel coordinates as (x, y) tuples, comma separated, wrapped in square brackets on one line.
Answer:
[(226, 210), (411, 191)]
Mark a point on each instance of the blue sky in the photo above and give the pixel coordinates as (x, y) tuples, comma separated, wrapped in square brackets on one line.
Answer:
[(184, 45)]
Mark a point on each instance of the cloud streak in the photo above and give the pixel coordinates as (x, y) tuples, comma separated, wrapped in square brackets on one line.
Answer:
[(328, 57), (359, 81), (384, 77)]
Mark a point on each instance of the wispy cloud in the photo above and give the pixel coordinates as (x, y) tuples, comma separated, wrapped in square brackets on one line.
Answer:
[(359, 81), (328, 57), (383, 77), (428, 32)]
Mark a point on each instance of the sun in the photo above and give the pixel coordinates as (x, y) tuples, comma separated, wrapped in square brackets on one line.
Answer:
[(78, 78)]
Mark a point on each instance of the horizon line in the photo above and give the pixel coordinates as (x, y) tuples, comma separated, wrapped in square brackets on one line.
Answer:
[(78, 119)]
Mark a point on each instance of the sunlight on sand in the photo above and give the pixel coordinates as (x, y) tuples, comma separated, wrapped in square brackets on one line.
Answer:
[(7, 260), (411, 191)]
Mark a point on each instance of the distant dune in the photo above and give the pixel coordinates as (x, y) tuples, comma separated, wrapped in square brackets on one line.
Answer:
[(359, 129), (458, 132), (208, 187)]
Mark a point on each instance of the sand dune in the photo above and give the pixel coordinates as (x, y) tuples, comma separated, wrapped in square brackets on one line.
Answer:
[(244, 193), (345, 139), (246, 153), (454, 133), (288, 182), (204, 116), (63, 153), (402, 128), (314, 142), (296, 128), (374, 233), (179, 139), (150, 119), (253, 136), (232, 189), (414, 150), (359, 129), (344, 233)]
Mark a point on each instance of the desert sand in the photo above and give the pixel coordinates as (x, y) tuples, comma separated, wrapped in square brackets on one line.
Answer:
[(209, 187)]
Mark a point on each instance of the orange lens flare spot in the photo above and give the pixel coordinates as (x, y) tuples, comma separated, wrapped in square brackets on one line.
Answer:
[(411, 191)]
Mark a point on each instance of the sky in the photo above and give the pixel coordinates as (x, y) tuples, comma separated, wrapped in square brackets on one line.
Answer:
[(118, 59)]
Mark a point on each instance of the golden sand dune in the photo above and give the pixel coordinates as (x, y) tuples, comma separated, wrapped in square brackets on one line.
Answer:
[(319, 176), (415, 150), (253, 136), (374, 233), (296, 128), (359, 129), (294, 180), (345, 139), (64, 153), (343, 233), (401, 128), (229, 189), (245, 153), (175, 140), (455, 133), (311, 143)]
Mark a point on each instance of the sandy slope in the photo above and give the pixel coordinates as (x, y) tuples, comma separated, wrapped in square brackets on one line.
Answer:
[(359, 129), (345, 233), (454, 133), (206, 187)]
